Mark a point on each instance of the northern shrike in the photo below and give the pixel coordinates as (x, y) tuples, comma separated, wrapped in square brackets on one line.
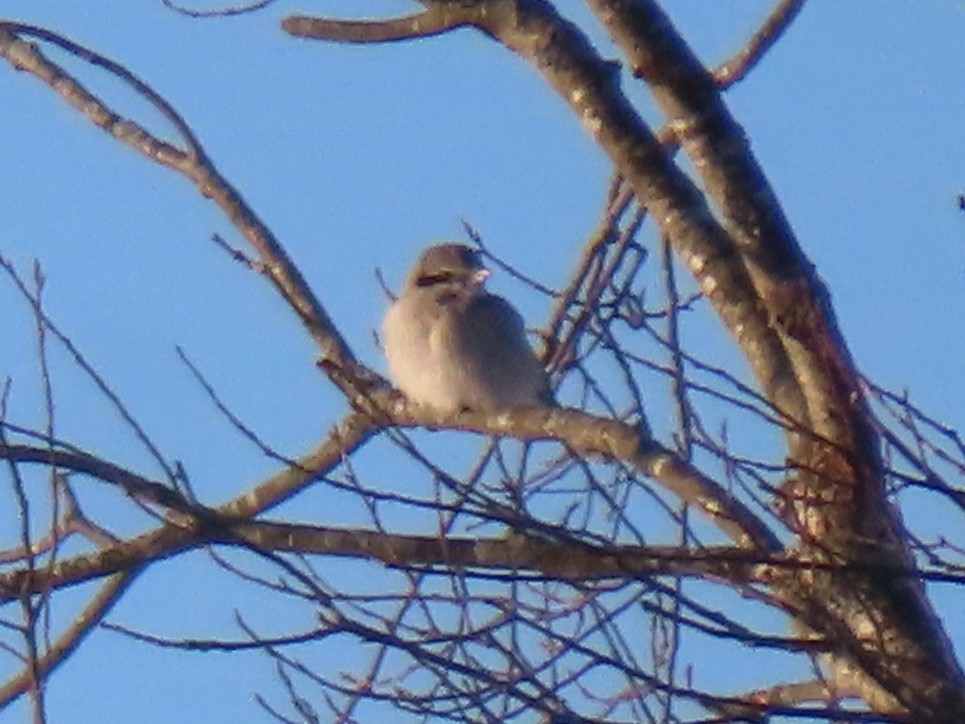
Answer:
[(451, 345)]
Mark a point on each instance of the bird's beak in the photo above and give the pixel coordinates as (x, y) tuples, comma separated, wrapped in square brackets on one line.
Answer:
[(479, 276)]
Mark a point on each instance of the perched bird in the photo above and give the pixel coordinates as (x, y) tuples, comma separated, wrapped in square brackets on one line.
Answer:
[(451, 345)]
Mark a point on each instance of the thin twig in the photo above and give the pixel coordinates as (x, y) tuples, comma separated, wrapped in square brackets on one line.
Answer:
[(774, 26)]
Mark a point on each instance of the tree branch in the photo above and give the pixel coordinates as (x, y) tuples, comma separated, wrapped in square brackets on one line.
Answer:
[(433, 21), (194, 164), (774, 26)]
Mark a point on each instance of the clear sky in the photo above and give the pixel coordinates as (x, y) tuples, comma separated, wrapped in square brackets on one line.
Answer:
[(358, 157)]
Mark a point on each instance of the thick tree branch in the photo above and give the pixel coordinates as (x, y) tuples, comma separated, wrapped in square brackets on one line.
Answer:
[(556, 558), (583, 433), (843, 502), (572, 66), (767, 294), (187, 530), (851, 581), (609, 439), (790, 292)]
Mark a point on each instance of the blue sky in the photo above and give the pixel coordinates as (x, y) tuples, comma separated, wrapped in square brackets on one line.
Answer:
[(356, 158)]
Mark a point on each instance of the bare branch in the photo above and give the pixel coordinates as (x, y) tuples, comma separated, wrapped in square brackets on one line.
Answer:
[(68, 642), (222, 13), (81, 360), (519, 584), (134, 485), (433, 21), (774, 26), (194, 165)]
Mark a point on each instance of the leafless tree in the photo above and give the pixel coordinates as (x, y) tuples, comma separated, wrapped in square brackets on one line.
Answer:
[(558, 573)]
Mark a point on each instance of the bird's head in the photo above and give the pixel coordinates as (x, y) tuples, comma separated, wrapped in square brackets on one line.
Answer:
[(449, 266)]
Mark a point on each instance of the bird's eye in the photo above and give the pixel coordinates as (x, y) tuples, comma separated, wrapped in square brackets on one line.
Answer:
[(429, 280)]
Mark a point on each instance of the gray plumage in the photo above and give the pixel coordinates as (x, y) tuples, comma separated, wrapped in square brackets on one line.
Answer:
[(451, 345)]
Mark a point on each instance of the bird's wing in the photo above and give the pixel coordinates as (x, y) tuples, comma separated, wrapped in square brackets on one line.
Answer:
[(493, 335)]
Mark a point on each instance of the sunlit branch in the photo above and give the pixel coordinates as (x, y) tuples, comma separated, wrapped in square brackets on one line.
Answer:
[(433, 21), (792, 295), (188, 533), (612, 440), (197, 167), (774, 26), (590, 85)]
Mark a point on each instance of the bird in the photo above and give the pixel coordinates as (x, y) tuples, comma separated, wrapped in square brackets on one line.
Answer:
[(452, 346)]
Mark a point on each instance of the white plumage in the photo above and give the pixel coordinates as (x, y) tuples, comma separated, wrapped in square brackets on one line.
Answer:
[(452, 345)]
